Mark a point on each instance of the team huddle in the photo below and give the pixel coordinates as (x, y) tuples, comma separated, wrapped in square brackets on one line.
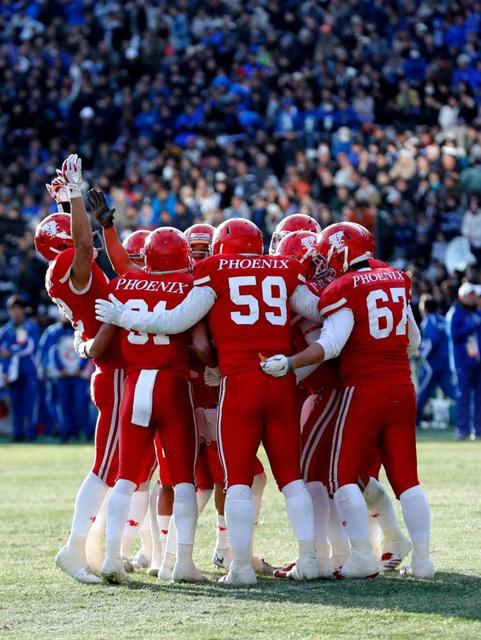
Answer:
[(204, 349)]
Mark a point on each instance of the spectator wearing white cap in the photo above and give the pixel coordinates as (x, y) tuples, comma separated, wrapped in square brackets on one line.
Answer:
[(464, 330), (471, 227)]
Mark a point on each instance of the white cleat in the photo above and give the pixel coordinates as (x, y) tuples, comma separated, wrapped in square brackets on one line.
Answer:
[(357, 566), (306, 568), (167, 569), (140, 561), (240, 575), (423, 569), (393, 553), (153, 571), (222, 558), (187, 572), (113, 571), (75, 567)]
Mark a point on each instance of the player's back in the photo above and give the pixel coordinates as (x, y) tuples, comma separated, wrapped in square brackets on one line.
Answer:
[(153, 292), (79, 306), (376, 352), (251, 314)]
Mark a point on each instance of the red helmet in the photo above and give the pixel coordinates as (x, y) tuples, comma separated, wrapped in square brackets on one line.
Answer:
[(199, 237), (294, 222), (302, 245), (134, 245), (237, 236), (166, 249), (344, 244), (53, 235)]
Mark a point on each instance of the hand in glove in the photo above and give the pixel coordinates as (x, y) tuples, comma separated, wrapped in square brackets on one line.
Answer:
[(72, 173), (109, 311), (212, 376), (58, 190), (276, 366), (98, 204)]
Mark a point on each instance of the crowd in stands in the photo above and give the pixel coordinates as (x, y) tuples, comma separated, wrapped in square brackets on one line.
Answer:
[(191, 110)]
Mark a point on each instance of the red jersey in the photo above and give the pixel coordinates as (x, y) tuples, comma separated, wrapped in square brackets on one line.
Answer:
[(141, 291), (79, 306), (376, 351), (204, 395), (251, 314)]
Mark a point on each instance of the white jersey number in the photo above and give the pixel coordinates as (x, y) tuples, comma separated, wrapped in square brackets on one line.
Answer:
[(274, 295), (381, 319), (136, 337)]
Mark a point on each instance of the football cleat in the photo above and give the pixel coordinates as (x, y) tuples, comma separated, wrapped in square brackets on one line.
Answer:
[(128, 566), (283, 571), (423, 569), (140, 561), (166, 570), (75, 568), (222, 558), (306, 568), (113, 571), (262, 567), (240, 575), (187, 572), (357, 566), (393, 553)]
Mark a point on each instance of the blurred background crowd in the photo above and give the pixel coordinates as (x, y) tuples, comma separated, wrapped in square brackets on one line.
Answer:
[(201, 110)]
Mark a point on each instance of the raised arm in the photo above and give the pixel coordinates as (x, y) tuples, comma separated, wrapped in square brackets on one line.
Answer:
[(184, 316), (80, 224), (118, 256)]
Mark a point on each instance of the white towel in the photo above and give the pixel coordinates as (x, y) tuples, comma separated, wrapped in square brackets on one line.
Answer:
[(144, 390)]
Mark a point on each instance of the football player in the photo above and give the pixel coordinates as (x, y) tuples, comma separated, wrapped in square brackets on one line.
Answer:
[(157, 399), (73, 281), (369, 324), (290, 224), (248, 297)]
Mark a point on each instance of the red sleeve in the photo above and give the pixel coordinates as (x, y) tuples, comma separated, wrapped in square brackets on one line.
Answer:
[(333, 298), (62, 266), (204, 272)]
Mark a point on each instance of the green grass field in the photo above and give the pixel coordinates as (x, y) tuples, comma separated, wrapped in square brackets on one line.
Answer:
[(39, 483)]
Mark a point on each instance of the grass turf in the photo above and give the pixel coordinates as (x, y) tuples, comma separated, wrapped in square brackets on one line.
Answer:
[(39, 483)]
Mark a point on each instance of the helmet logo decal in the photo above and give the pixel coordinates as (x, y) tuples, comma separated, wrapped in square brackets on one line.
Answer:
[(337, 240), (53, 231)]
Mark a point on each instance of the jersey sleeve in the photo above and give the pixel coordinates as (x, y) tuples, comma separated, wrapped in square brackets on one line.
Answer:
[(333, 299), (205, 274), (61, 267)]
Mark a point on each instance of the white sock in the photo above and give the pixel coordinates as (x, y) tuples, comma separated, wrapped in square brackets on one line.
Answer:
[(299, 510), (417, 517), (203, 497), (239, 513), (258, 486), (380, 504), (138, 509), (375, 535), (185, 513), (146, 535), (353, 511), (156, 559), (87, 505), (320, 505), (117, 514), (171, 540), (336, 532), (222, 541)]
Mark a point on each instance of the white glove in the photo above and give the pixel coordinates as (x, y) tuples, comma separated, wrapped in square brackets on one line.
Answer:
[(58, 190), (277, 366), (72, 173), (81, 346), (110, 312), (212, 376)]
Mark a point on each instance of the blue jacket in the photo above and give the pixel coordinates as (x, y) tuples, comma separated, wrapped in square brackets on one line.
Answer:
[(463, 331), (21, 342), (57, 354), (434, 341)]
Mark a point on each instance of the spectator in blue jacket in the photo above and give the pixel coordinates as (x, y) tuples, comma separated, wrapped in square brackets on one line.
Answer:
[(71, 378), (18, 345), (47, 401), (434, 352), (464, 323)]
